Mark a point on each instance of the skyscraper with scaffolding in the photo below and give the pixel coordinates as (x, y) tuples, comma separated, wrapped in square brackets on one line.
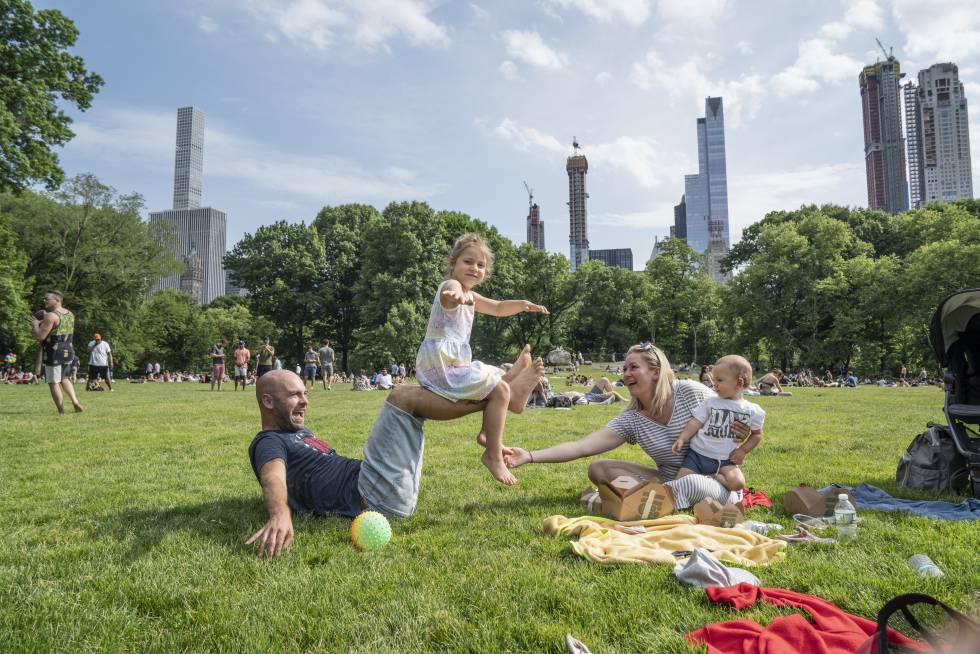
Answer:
[(884, 147), (577, 166), (535, 228)]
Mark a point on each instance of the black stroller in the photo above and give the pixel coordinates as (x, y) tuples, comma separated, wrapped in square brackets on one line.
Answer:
[(955, 337)]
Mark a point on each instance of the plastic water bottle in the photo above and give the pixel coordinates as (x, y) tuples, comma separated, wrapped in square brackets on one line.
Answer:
[(845, 518), (923, 565)]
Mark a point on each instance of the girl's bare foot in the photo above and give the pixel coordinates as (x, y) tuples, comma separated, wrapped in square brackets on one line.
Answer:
[(481, 438), (523, 361), (522, 386), (498, 469)]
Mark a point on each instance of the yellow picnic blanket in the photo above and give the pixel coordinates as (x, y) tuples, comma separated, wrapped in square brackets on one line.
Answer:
[(655, 541)]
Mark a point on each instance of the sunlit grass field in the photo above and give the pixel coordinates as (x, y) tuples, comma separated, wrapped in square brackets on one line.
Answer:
[(122, 530)]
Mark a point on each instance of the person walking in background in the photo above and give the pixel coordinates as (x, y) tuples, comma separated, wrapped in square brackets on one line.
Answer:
[(99, 362), (311, 361), (217, 363), (265, 357), (53, 328), (326, 364), (242, 357)]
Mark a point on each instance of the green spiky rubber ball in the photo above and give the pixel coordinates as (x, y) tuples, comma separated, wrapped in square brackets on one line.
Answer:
[(370, 531)]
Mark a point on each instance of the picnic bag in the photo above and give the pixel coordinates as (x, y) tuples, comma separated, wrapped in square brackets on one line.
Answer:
[(964, 638), (933, 463)]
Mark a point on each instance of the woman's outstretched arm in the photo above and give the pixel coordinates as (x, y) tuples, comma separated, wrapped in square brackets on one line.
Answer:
[(597, 442)]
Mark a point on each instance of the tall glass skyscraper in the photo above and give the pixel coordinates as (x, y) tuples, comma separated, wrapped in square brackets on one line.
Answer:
[(706, 194), (189, 162), (938, 137), (198, 230), (884, 148)]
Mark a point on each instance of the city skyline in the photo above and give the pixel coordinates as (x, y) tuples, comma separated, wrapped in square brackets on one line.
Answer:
[(434, 103)]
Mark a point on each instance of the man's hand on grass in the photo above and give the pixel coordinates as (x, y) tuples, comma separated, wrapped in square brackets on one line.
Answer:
[(274, 536)]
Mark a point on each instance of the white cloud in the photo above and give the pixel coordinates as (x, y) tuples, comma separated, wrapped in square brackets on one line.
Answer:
[(816, 61), (753, 195), (638, 157), (688, 82), (508, 69), (660, 218), (863, 14), (147, 139), (943, 30), (207, 24), (317, 24), (603, 78), (684, 11), (745, 47), (634, 12), (530, 48), (479, 12)]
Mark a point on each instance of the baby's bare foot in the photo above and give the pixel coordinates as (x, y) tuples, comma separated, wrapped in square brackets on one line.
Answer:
[(498, 469)]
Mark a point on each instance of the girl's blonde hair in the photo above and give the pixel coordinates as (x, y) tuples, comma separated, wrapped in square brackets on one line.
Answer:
[(663, 392), (465, 241)]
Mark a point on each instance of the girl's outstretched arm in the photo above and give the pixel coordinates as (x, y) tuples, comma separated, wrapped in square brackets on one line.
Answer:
[(501, 308)]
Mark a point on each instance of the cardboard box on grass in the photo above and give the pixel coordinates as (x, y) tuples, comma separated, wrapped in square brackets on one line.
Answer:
[(629, 497), (711, 512), (809, 501)]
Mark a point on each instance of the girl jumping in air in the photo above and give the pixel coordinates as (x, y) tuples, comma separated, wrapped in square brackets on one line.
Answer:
[(445, 363)]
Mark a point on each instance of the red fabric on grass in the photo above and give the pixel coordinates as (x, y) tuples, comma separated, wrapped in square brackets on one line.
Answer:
[(752, 497), (832, 631)]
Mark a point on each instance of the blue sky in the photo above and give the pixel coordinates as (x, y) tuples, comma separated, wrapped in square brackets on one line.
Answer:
[(323, 102)]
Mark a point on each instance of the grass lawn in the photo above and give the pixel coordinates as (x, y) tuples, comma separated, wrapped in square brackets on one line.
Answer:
[(123, 531)]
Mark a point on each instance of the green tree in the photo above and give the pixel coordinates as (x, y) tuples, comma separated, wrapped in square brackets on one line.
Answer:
[(683, 304), (341, 229), (37, 76), (611, 313), (545, 279), (13, 282), (173, 332), (282, 266), (91, 244), (404, 259)]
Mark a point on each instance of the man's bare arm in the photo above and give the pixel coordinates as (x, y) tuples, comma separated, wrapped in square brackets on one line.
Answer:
[(41, 328), (277, 533)]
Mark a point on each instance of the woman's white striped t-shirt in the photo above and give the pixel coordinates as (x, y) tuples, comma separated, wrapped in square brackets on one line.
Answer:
[(656, 439)]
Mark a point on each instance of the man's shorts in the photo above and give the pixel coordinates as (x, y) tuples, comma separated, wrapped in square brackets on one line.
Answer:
[(392, 468), (326, 369), (218, 372), (241, 371), (704, 465), (310, 371), (95, 372), (261, 370), (54, 374)]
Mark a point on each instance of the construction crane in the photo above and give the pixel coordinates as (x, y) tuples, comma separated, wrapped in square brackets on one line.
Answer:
[(575, 145), (888, 55), (530, 195)]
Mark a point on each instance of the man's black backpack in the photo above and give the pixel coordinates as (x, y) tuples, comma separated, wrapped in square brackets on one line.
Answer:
[(933, 463)]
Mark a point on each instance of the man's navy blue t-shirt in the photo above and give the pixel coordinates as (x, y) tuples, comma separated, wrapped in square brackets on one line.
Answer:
[(318, 479)]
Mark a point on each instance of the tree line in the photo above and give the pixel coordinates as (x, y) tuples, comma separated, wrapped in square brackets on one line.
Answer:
[(820, 287)]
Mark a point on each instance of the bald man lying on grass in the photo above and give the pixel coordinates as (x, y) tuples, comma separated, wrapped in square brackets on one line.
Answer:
[(299, 472)]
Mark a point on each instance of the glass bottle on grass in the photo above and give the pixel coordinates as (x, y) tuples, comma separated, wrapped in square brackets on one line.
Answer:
[(845, 518)]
